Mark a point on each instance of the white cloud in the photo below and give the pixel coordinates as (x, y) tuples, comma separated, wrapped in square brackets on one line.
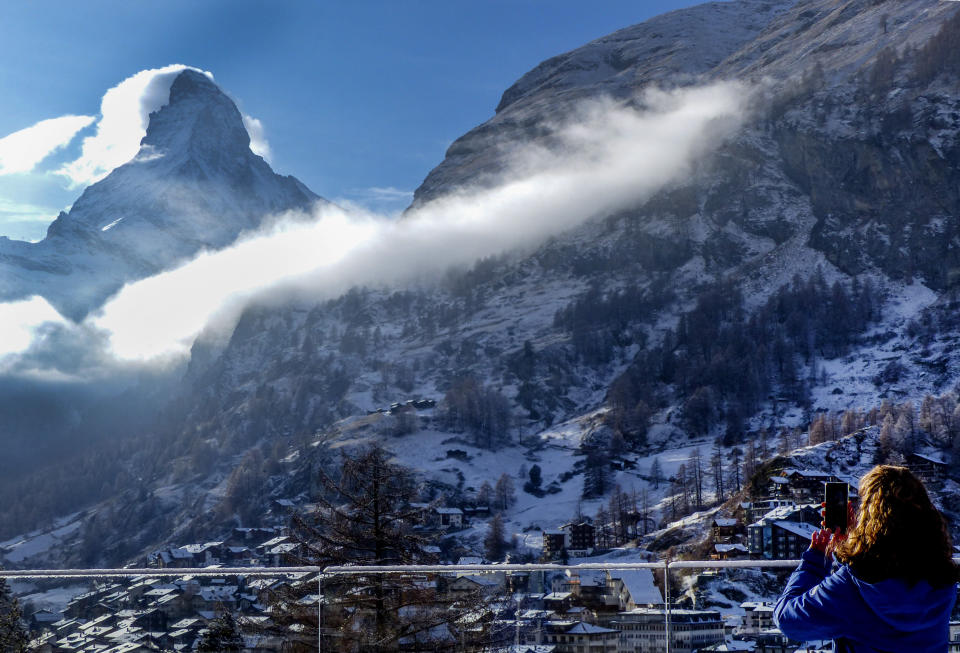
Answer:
[(608, 157), (258, 137), (21, 322), (21, 151), (162, 314), (24, 212), (125, 112), (388, 193)]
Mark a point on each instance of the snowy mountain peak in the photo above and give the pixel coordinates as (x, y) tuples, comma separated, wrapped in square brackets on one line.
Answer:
[(194, 184), (199, 119)]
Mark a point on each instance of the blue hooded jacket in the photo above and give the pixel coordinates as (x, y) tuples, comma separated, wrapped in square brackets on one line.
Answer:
[(890, 616)]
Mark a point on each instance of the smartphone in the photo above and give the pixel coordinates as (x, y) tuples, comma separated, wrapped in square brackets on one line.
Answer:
[(835, 506)]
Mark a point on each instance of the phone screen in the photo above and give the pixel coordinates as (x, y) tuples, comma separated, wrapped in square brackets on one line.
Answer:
[(835, 512)]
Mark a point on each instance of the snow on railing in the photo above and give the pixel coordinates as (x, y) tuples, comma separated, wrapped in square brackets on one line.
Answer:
[(325, 573)]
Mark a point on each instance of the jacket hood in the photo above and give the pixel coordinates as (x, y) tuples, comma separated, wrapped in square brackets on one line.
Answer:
[(905, 607)]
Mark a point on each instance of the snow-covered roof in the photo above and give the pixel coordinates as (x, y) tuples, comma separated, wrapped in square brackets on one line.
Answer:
[(589, 629), (726, 548), (482, 579), (724, 521), (797, 528), (448, 511), (588, 577), (930, 458), (806, 473), (779, 480), (639, 582), (735, 645), (782, 512)]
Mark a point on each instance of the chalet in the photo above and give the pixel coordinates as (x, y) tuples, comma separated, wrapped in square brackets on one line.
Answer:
[(251, 537), (476, 512), (282, 506), (262, 549), (929, 468), (726, 528), (733, 551), (558, 602), (757, 617), (807, 484), (555, 544), (448, 517), (471, 584), (582, 539), (43, 618), (237, 556), (588, 586), (779, 486), (288, 554)]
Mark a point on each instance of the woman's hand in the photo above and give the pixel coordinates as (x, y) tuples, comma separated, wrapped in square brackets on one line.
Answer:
[(821, 541), (825, 541)]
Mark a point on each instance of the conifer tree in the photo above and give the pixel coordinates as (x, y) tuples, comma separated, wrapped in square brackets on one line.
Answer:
[(221, 635), (734, 470), (656, 473), (13, 634), (495, 544)]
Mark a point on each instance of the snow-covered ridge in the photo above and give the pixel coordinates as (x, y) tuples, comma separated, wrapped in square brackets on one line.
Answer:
[(194, 184)]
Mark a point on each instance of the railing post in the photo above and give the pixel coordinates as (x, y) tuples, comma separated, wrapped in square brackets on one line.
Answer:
[(666, 599), (320, 614)]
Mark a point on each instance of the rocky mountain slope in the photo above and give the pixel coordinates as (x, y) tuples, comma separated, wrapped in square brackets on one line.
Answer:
[(193, 185), (807, 264)]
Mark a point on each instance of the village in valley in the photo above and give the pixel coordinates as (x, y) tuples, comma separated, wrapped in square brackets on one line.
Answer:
[(567, 610)]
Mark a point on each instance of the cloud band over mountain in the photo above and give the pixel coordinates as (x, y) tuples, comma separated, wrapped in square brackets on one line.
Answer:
[(607, 156)]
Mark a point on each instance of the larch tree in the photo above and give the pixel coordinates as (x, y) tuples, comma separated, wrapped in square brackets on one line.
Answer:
[(656, 473), (504, 492), (365, 516)]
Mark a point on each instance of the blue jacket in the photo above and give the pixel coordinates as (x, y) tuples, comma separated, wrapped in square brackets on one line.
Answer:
[(890, 616)]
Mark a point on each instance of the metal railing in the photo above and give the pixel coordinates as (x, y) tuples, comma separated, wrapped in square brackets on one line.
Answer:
[(326, 573)]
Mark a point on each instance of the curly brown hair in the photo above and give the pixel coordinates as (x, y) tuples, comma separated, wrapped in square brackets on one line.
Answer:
[(898, 533)]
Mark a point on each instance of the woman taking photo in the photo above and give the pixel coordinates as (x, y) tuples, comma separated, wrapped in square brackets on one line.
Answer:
[(896, 585)]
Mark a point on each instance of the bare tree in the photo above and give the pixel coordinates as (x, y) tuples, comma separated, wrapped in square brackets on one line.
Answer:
[(716, 467), (365, 517), (656, 473), (695, 470)]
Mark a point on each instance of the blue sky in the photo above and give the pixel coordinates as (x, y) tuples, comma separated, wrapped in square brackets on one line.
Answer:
[(353, 96)]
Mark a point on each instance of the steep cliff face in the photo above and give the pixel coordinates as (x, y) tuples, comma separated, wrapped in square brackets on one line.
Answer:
[(194, 184), (677, 48), (857, 122)]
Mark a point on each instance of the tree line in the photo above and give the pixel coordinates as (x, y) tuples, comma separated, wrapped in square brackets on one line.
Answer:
[(720, 362)]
